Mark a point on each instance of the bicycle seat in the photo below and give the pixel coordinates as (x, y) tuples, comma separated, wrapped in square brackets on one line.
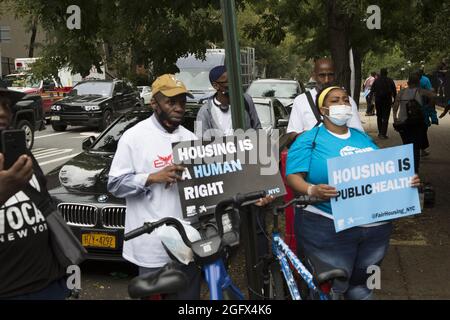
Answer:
[(164, 281), (323, 272)]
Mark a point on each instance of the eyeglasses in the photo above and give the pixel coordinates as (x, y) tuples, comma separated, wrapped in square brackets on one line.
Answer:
[(221, 82)]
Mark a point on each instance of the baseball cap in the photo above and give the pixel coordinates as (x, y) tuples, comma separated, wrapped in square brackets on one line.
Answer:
[(216, 73), (169, 86)]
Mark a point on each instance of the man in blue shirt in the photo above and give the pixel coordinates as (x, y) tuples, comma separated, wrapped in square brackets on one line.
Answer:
[(429, 111)]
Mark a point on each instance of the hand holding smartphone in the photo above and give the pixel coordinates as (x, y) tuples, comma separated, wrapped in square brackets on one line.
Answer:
[(13, 146)]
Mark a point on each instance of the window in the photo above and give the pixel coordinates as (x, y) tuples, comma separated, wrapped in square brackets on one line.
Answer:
[(118, 87), (274, 89), (93, 88), (264, 114), (108, 142)]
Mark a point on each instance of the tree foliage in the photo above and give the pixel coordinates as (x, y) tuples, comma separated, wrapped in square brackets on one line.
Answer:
[(123, 33)]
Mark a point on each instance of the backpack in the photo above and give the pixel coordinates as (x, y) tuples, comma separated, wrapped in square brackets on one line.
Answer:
[(414, 112)]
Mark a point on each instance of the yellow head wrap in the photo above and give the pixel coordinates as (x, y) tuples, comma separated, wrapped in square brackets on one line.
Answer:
[(323, 94)]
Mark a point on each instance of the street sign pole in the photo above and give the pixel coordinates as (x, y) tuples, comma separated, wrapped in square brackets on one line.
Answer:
[(248, 219)]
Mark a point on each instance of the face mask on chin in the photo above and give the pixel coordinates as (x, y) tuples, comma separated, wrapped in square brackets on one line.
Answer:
[(339, 114)]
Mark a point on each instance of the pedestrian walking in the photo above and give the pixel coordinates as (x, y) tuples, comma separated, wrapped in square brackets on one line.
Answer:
[(408, 116), (385, 92), (367, 86)]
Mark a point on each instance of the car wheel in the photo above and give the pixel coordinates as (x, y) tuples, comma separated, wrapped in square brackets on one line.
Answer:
[(106, 120), (29, 132), (59, 127)]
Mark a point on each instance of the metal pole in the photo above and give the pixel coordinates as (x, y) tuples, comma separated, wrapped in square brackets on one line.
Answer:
[(232, 59)]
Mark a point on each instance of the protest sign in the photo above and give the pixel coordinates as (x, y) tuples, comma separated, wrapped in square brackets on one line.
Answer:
[(221, 169), (373, 186)]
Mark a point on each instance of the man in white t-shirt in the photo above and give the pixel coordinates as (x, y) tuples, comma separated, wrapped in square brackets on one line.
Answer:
[(143, 173), (303, 117)]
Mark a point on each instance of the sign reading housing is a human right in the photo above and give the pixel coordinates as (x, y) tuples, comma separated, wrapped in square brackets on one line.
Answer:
[(221, 169), (373, 186)]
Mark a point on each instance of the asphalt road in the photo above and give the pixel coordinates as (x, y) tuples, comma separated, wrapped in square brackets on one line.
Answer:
[(52, 149)]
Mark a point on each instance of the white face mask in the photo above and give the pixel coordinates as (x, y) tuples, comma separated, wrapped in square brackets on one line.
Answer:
[(340, 114)]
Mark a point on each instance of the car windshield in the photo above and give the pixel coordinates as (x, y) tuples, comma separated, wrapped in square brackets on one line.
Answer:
[(97, 88), (273, 89), (21, 80), (264, 114), (108, 141), (195, 79)]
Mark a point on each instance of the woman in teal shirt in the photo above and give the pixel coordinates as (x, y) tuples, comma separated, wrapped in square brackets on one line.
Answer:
[(355, 249)]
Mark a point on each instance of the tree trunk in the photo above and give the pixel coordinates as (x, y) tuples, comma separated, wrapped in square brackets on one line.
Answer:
[(357, 61), (338, 33), (33, 37)]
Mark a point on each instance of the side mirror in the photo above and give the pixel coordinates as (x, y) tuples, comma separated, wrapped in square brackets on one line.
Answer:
[(282, 123), (88, 142)]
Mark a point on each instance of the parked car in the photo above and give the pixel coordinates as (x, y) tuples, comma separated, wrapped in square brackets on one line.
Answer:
[(310, 85), (94, 103), (79, 188), (27, 113), (145, 93), (273, 115), (284, 90)]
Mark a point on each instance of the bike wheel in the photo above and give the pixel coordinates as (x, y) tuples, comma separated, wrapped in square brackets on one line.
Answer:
[(277, 290)]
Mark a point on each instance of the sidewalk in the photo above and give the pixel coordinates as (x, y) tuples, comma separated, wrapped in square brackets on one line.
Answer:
[(418, 261)]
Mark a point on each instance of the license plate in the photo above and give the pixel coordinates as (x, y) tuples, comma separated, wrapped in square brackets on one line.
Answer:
[(98, 240), (55, 118)]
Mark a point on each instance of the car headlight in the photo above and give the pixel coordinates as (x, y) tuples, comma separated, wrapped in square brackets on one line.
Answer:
[(91, 108), (56, 107)]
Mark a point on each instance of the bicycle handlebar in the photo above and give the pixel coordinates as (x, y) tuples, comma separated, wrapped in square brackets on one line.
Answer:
[(237, 200), (149, 227), (300, 200)]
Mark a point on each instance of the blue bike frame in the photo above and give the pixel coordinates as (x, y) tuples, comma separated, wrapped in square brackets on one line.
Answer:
[(281, 250), (219, 280)]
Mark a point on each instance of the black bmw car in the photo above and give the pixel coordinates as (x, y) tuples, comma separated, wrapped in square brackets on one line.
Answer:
[(94, 103), (79, 188)]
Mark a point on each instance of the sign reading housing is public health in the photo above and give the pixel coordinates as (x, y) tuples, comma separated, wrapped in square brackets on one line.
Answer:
[(221, 169), (373, 186)]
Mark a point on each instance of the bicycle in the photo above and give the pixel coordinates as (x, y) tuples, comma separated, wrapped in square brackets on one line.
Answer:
[(208, 253), (318, 275)]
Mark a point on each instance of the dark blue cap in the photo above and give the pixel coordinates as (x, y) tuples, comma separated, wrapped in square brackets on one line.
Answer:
[(216, 73)]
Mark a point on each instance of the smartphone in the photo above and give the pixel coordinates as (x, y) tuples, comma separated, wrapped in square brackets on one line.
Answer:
[(13, 146)]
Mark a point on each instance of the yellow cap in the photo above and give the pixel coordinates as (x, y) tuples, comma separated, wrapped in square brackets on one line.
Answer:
[(169, 86)]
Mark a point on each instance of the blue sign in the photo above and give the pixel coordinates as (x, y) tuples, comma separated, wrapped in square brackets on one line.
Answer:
[(373, 186)]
